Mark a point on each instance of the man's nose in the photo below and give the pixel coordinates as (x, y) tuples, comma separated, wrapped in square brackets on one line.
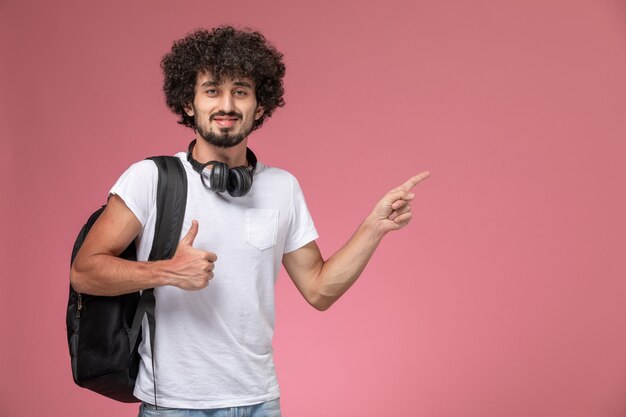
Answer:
[(226, 103)]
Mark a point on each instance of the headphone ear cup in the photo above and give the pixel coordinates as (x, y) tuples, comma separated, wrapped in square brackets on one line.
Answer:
[(219, 177), (239, 181)]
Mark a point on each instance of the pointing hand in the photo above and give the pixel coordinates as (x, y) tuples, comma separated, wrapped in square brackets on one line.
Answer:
[(393, 211)]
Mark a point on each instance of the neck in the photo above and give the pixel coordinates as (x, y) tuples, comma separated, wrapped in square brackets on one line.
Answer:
[(233, 157)]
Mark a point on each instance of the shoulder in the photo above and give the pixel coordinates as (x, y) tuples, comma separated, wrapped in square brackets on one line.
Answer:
[(274, 174), (142, 175), (143, 167), (137, 188), (279, 181), (144, 171)]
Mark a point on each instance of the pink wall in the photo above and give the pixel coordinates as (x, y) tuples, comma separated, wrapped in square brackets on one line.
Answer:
[(506, 296)]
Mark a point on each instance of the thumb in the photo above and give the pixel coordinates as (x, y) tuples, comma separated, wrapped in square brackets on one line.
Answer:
[(191, 234)]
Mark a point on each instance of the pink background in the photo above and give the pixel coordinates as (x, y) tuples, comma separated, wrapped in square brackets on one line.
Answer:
[(506, 296)]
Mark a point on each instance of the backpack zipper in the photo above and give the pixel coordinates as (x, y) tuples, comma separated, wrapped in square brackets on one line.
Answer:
[(80, 305)]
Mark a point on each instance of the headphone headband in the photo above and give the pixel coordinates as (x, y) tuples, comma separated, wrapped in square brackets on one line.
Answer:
[(237, 181)]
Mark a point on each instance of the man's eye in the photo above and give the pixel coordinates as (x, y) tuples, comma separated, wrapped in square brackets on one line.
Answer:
[(240, 93), (211, 92)]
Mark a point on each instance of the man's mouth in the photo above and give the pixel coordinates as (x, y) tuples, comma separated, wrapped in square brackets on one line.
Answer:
[(225, 121)]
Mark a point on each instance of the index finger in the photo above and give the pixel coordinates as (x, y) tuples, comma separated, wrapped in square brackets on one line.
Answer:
[(412, 182)]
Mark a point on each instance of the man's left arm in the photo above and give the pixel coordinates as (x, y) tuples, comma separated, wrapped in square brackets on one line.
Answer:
[(323, 282)]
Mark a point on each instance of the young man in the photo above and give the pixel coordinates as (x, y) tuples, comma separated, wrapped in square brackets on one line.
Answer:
[(213, 341)]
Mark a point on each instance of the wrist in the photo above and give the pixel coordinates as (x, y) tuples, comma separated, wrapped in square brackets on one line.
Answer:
[(159, 273), (371, 226)]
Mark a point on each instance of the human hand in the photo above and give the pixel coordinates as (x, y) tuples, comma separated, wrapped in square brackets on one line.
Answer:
[(191, 268), (393, 211)]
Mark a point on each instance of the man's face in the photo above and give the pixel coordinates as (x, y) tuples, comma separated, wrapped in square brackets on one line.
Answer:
[(224, 112)]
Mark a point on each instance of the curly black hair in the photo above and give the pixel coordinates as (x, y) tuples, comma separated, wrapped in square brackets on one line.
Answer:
[(224, 52)]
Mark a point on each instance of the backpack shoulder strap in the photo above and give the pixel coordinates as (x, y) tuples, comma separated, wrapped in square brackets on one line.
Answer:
[(171, 203)]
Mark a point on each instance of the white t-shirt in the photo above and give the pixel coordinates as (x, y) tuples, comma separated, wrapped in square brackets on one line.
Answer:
[(213, 347)]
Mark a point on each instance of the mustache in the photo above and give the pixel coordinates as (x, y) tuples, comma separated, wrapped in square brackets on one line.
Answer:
[(225, 114)]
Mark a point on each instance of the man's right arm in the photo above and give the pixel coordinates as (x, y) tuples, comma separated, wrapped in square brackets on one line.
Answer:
[(97, 270)]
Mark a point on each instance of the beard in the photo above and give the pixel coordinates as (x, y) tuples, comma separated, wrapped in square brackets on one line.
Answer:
[(223, 139)]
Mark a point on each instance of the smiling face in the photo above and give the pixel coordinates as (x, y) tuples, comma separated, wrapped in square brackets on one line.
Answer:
[(224, 111)]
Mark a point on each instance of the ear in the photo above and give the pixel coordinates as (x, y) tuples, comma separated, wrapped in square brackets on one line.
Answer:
[(258, 112), (189, 110)]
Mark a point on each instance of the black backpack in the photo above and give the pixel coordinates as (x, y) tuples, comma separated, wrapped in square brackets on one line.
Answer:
[(103, 333)]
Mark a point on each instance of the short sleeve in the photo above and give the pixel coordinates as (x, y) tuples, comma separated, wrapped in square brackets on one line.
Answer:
[(301, 227), (137, 187)]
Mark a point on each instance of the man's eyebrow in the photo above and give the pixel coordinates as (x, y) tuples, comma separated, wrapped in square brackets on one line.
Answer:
[(242, 84), (209, 83), (213, 83)]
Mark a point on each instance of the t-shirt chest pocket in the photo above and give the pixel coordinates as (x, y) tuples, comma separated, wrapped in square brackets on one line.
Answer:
[(261, 227)]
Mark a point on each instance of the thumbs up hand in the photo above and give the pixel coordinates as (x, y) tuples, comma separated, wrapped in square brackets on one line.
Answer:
[(190, 268)]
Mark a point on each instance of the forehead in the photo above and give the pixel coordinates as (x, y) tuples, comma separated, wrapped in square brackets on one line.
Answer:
[(205, 79)]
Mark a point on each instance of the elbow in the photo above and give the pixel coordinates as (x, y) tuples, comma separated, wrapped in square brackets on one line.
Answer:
[(322, 307), (322, 297), (321, 302), (83, 275), (78, 280)]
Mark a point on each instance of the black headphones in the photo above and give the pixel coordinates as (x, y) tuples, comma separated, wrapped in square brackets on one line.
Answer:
[(237, 181)]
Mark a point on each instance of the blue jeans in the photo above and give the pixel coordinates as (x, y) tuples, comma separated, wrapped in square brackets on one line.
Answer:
[(266, 409)]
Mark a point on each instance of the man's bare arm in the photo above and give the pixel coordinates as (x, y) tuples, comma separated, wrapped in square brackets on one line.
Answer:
[(97, 270), (323, 282)]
